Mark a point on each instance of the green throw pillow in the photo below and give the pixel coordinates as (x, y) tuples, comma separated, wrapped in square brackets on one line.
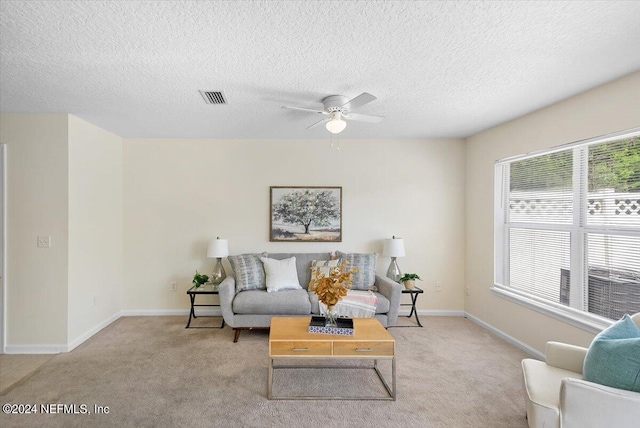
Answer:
[(613, 359)]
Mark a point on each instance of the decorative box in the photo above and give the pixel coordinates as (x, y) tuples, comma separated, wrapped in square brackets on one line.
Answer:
[(344, 326)]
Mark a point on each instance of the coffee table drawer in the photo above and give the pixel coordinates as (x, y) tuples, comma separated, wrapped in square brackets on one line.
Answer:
[(300, 349), (363, 349)]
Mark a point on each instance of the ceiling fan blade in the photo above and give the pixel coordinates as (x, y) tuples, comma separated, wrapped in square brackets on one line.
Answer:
[(304, 109), (371, 118), (360, 100), (316, 124)]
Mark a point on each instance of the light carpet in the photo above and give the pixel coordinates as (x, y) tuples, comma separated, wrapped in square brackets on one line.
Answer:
[(152, 372)]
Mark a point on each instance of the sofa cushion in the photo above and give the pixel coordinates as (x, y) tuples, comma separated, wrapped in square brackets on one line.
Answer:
[(280, 274), (383, 304), (249, 272), (260, 302), (613, 358), (366, 265), (382, 307)]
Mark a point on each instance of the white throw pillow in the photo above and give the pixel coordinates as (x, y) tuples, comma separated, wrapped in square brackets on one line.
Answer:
[(281, 274)]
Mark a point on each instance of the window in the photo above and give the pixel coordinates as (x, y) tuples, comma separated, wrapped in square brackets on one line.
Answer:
[(567, 230)]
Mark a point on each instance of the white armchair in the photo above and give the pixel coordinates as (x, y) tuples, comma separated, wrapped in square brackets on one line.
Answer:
[(557, 396)]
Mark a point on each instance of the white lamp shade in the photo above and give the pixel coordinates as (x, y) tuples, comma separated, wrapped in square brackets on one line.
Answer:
[(336, 125), (218, 248), (393, 247)]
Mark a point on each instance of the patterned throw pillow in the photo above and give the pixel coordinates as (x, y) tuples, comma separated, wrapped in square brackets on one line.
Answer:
[(366, 264), (248, 271), (321, 267)]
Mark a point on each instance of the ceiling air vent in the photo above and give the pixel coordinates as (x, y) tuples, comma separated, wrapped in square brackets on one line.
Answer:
[(213, 97)]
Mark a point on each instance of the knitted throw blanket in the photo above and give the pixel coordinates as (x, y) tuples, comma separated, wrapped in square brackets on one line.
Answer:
[(356, 304)]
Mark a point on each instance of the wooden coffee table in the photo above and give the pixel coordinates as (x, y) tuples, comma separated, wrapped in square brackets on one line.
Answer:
[(290, 339)]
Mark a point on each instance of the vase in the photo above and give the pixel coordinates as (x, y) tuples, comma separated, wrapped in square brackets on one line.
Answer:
[(409, 284), (330, 316)]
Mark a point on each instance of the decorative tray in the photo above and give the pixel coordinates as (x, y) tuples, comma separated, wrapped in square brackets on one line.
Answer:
[(344, 326)]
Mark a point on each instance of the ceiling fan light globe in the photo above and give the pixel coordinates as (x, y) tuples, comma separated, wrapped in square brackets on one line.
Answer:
[(336, 126)]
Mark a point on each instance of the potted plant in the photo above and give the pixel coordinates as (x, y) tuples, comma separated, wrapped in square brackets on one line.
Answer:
[(199, 279), (409, 280)]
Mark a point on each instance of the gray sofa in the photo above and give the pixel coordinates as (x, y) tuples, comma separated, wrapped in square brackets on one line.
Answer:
[(249, 309)]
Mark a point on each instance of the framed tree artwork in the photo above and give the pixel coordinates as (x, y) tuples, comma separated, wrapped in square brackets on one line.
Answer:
[(306, 214)]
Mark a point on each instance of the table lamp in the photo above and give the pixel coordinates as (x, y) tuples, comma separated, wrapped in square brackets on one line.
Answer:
[(393, 248), (218, 248)]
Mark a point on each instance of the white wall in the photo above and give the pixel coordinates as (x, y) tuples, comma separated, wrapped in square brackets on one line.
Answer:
[(179, 193), (37, 201), (606, 109), (95, 228)]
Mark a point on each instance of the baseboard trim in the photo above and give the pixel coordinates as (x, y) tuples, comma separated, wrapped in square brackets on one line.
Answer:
[(57, 349), (168, 312), (433, 313), (504, 336), (35, 349), (81, 339)]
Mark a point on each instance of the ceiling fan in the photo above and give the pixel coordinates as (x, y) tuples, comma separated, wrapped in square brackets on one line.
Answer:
[(337, 108)]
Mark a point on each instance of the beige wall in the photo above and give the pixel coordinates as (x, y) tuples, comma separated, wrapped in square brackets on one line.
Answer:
[(66, 179), (609, 108), (180, 193), (95, 227), (37, 201)]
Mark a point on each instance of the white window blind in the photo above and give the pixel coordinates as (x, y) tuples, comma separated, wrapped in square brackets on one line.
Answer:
[(614, 184), (614, 278), (567, 226), (536, 260), (541, 189)]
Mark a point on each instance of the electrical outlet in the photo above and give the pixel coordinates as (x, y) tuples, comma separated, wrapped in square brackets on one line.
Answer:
[(44, 241), (438, 286), (468, 291), (174, 286)]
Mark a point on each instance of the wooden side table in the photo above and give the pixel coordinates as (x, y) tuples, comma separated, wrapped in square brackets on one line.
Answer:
[(207, 288), (414, 292)]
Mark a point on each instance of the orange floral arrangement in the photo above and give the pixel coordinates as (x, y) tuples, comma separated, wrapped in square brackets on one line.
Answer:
[(331, 289)]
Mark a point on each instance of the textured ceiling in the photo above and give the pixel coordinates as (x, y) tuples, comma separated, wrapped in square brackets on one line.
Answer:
[(439, 69)]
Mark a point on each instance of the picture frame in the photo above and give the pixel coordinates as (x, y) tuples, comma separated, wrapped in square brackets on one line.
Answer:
[(305, 214)]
